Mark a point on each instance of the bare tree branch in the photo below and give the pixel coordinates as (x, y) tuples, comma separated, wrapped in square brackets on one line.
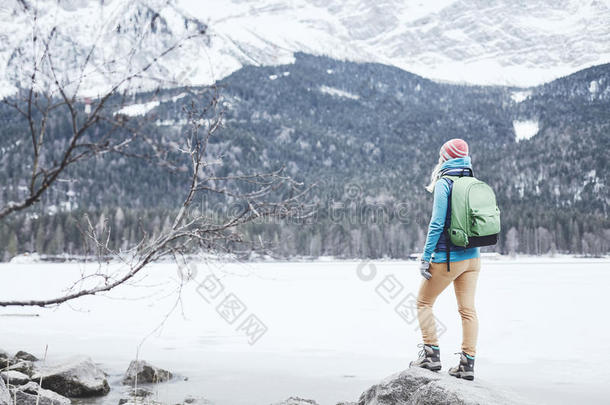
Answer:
[(48, 96), (250, 197)]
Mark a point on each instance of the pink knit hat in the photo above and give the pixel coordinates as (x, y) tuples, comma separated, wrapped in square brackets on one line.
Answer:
[(454, 148)]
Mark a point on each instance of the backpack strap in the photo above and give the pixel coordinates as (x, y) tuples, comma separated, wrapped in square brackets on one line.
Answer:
[(448, 222), (446, 175)]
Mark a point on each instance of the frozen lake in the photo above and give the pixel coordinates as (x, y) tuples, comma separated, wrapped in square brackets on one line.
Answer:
[(330, 333)]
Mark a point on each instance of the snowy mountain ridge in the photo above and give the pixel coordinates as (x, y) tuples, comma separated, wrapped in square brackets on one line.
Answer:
[(123, 37), (472, 41), (367, 134)]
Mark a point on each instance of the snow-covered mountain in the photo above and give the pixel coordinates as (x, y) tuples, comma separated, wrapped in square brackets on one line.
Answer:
[(473, 41), (111, 39)]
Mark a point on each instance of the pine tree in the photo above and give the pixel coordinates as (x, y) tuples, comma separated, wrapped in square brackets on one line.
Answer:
[(575, 240), (119, 219), (26, 234), (12, 247), (315, 246), (57, 243), (512, 241), (40, 242)]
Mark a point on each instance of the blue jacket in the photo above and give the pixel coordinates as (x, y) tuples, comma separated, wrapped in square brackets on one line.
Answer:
[(437, 221)]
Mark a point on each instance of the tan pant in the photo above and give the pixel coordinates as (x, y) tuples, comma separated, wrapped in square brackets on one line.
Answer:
[(464, 275)]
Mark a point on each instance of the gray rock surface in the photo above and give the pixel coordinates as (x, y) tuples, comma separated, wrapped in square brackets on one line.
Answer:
[(3, 355), (5, 396), (145, 373), (29, 393), (139, 401), (22, 366), (190, 400), (140, 392), (297, 401), (416, 386), (77, 378), (14, 377), (21, 355)]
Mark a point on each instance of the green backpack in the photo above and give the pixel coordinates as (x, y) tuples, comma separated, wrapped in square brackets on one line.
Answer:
[(475, 216)]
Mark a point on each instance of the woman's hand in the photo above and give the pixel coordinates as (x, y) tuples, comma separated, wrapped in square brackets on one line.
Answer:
[(424, 269)]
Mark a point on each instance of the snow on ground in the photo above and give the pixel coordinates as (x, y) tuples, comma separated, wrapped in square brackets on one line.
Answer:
[(134, 110), (335, 92), (330, 333), (525, 129), (519, 96)]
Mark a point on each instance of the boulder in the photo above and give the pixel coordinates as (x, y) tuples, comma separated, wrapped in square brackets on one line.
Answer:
[(14, 377), (196, 401), (32, 394), (21, 366), (21, 355), (5, 396), (145, 373), (138, 396), (140, 393), (416, 386), (135, 401), (297, 401), (3, 356), (76, 378)]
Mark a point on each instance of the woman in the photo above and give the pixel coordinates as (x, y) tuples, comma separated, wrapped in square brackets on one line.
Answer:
[(464, 267)]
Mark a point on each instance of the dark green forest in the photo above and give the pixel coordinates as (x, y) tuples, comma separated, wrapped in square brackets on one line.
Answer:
[(367, 135)]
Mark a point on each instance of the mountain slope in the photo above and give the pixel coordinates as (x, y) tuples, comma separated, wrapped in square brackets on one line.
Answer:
[(473, 41), (119, 37), (369, 135)]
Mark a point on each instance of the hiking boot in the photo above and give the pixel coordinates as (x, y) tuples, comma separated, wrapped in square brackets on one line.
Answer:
[(465, 369), (429, 358)]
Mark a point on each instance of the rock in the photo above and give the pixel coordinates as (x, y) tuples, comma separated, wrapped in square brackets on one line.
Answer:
[(32, 394), (77, 378), (3, 356), (196, 401), (140, 392), (297, 401), (416, 386), (5, 396), (139, 396), (24, 367), (145, 373), (14, 377), (21, 355), (136, 401)]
